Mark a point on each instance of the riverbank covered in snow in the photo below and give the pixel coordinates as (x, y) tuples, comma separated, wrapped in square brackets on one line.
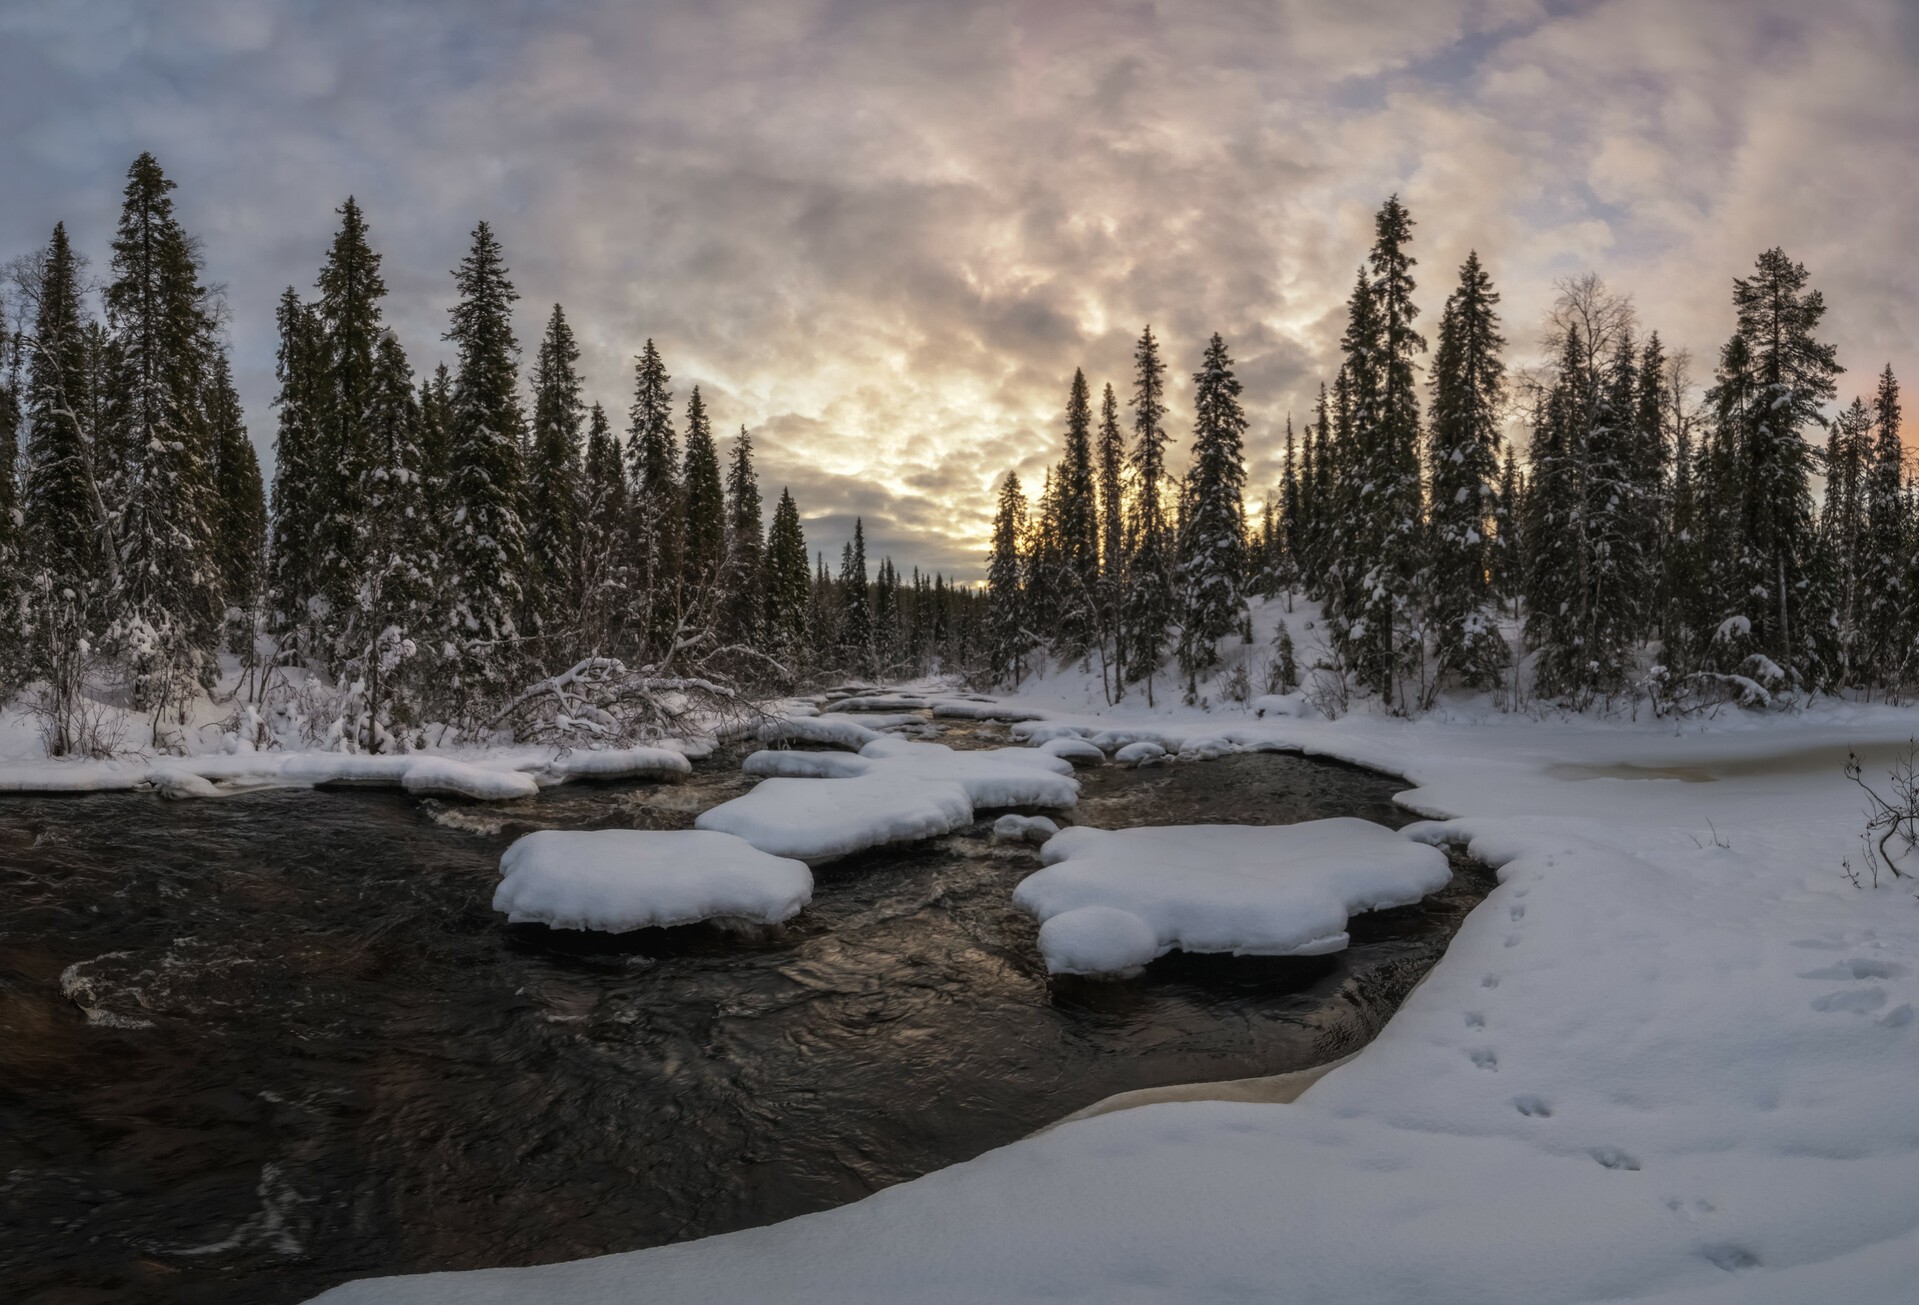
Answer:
[(1670, 1058)]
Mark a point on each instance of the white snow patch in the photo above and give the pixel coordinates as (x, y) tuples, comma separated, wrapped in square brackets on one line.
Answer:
[(1098, 941), (817, 821), (1011, 828), (1250, 890), (991, 777), (1143, 753), (620, 879), (1076, 750)]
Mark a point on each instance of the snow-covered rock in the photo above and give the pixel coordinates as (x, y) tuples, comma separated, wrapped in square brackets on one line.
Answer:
[(1076, 750), (1284, 890), (1143, 753), (176, 782), (991, 777), (1033, 733), (1115, 739), (830, 730), (1011, 828), (620, 879), (882, 702), (1102, 941), (619, 763), (1205, 747), (969, 709), (821, 820)]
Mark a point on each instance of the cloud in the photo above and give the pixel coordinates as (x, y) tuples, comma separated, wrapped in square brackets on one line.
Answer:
[(883, 233)]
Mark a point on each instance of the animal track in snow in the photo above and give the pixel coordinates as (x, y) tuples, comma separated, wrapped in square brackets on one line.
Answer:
[(1898, 1017), (1730, 1258), (1533, 1107), (1484, 1058), (1475, 1020), (1856, 1000), (1490, 981), (1859, 967), (1518, 913), (1613, 1158), (1512, 940), (1690, 1209)]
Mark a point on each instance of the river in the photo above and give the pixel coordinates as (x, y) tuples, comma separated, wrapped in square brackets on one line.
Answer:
[(254, 1046)]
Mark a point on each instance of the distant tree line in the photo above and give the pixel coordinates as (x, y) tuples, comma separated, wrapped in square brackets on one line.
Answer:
[(455, 549), (1653, 542)]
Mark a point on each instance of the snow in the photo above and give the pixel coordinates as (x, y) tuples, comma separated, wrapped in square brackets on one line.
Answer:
[(620, 763), (991, 777), (833, 731), (1248, 890), (1073, 749), (1011, 828), (1143, 753), (968, 709), (817, 821), (1669, 1060), (819, 806), (1098, 940), (620, 879)]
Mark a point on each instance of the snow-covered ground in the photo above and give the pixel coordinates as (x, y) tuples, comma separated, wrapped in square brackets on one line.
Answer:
[(1671, 1058)]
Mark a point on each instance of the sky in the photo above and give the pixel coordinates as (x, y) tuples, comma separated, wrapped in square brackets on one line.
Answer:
[(881, 234)]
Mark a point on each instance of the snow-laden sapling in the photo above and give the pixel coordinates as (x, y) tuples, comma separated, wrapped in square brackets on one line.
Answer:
[(1892, 824)]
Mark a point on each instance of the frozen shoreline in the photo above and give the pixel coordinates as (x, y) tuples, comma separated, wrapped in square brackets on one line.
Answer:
[(1651, 1066)]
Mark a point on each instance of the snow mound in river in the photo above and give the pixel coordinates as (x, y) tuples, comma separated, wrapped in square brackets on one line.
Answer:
[(816, 821), (620, 879), (1248, 890), (993, 777)]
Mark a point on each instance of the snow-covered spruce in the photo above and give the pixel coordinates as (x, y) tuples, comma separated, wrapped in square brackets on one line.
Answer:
[(1249, 890), (616, 880)]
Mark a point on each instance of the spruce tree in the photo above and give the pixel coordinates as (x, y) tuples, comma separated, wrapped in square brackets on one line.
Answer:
[(1385, 533), (1554, 582), (486, 539), (1149, 593), (65, 530), (704, 518), (1007, 638), (604, 556), (553, 592), (1213, 530), (299, 481), (653, 449), (1844, 540), (1468, 383), (1788, 374), (1078, 511), (168, 614), (240, 509), (1281, 551), (745, 565), (1887, 616), (389, 640), (855, 611), (349, 316), (1111, 457), (787, 591)]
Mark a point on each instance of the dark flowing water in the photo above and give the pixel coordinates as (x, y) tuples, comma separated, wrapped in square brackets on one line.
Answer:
[(256, 1046)]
